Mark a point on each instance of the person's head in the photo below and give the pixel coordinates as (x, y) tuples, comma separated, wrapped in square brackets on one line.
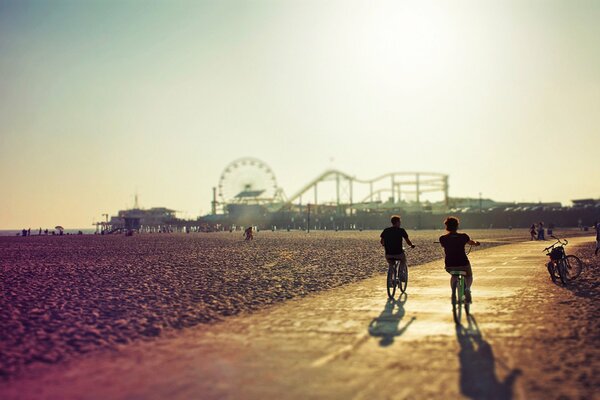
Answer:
[(451, 224), (395, 220)]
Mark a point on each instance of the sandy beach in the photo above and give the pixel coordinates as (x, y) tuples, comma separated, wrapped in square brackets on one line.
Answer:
[(87, 300), (67, 296)]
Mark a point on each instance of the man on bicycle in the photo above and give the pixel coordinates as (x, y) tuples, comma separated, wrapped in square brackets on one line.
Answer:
[(456, 258), (391, 240)]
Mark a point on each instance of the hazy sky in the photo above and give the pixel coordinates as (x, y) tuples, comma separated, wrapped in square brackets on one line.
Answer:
[(98, 99)]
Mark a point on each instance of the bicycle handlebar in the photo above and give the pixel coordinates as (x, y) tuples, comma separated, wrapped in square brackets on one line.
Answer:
[(562, 242)]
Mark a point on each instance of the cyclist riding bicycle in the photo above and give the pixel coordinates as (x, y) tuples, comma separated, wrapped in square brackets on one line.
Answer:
[(391, 240), (456, 257)]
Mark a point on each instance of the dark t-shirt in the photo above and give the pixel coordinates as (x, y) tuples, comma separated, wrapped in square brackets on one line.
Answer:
[(454, 247), (392, 239)]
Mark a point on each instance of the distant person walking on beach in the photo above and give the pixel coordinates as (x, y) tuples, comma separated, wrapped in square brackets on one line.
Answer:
[(456, 257), (248, 233), (532, 231), (597, 227), (391, 240), (541, 231)]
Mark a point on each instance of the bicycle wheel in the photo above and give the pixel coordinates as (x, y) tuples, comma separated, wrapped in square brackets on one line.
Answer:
[(391, 281), (403, 278), (457, 301), (561, 266), (574, 267)]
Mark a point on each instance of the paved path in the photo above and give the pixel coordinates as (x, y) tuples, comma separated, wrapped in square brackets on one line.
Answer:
[(346, 343)]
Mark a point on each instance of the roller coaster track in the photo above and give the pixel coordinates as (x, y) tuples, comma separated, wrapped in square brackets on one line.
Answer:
[(421, 181)]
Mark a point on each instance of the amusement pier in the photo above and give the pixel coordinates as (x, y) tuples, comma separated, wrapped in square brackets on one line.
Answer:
[(248, 194)]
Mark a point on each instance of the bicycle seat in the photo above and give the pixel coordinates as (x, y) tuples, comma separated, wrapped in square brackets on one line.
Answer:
[(464, 273)]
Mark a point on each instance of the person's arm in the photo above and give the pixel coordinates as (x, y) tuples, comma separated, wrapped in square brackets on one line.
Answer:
[(382, 242), (408, 240), (473, 242)]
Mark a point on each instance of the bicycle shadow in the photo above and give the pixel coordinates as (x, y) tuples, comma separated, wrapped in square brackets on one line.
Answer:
[(386, 325), (478, 378)]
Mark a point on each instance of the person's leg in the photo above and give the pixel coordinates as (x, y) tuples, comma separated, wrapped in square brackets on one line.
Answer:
[(469, 277), (390, 262), (453, 280), (468, 283), (402, 267)]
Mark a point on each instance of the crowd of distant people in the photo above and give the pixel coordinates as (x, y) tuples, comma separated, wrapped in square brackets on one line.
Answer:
[(27, 232), (60, 232), (538, 231)]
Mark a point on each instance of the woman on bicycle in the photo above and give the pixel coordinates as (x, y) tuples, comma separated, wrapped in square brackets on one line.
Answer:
[(456, 258)]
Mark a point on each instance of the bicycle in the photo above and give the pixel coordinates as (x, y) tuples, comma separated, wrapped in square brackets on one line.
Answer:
[(458, 294), (397, 277), (562, 266), (459, 300)]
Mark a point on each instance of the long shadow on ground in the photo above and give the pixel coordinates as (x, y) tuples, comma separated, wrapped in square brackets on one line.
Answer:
[(478, 378), (386, 325)]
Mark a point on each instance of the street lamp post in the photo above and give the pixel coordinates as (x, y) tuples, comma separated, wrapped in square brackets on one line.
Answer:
[(308, 218)]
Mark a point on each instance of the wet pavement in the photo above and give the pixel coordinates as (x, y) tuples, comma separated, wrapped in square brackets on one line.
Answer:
[(349, 342)]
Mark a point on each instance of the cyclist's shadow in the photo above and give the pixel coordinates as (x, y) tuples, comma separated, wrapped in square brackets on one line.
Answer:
[(386, 326), (478, 367)]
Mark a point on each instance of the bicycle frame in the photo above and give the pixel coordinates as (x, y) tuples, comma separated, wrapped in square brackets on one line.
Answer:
[(460, 281), (394, 278), (458, 294)]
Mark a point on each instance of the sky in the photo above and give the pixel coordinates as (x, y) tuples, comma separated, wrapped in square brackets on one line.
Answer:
[(103, 99)]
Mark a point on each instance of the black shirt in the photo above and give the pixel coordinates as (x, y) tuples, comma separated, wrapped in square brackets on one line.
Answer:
[(392, 239), (454, 247)]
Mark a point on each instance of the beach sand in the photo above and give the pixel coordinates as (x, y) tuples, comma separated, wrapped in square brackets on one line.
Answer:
[(67, 296)]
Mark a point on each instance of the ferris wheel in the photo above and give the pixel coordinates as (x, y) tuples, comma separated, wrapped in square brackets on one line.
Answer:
[(247, 180)]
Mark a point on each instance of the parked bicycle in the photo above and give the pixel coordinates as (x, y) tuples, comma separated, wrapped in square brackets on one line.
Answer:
[(562, 266)]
